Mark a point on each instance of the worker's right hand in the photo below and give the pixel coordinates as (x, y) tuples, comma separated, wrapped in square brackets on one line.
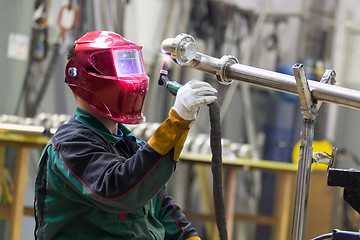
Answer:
[(191, 97)]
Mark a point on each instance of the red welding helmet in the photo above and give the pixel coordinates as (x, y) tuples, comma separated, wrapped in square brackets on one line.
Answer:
[(108, 73)]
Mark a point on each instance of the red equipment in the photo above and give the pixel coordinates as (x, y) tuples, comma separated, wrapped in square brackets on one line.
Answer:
[(108, 73)]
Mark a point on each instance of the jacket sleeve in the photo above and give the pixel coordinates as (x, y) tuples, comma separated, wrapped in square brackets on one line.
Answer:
[(170, 134), (174, 221)]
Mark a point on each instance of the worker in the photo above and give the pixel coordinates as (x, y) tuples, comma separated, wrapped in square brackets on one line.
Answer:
[(96, 180)]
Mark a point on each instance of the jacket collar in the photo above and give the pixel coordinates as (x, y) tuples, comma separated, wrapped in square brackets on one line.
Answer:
[(89, 120)]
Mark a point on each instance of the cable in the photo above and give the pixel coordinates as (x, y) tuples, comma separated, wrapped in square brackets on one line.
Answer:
[(339, 235), (324, 236), (39, 32), (216, 168), (45, 81)]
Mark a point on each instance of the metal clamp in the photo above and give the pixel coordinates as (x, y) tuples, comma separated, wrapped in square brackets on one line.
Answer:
[(307, 104), (325, 158), (327, 78), (223, 64)]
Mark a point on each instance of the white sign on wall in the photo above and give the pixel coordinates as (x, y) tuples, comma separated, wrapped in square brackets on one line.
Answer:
[(18, 46)]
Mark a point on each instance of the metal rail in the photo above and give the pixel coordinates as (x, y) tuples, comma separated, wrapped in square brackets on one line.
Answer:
[(182, 49)]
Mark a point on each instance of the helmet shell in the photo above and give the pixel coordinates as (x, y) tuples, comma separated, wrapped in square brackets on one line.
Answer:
[(92, 75)]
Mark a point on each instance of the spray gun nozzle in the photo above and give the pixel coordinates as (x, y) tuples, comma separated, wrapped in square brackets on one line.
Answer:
[(164, 71), (172, 86), (165, 65)]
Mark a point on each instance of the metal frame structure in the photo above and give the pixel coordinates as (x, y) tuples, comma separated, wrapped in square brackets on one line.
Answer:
[(182, 49)]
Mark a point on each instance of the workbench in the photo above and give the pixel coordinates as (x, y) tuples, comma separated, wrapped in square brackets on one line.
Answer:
[(10, 136)]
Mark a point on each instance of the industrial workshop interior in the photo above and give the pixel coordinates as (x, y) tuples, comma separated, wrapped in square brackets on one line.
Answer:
[(280, 161)]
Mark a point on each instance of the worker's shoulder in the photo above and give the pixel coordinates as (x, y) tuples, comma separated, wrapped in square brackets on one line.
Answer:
[(75, 131)]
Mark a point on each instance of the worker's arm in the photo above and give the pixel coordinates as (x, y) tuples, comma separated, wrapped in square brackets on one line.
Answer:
[(106, 180), (171, 134), (173, 131), (116, 183), (174, 221)]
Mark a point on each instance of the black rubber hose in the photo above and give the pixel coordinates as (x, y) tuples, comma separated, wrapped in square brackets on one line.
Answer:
[(324, 236), (339, 235), (216, 168), (216, 150)]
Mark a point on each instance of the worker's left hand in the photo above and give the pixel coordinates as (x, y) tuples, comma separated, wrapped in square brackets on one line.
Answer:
[(192, 96)]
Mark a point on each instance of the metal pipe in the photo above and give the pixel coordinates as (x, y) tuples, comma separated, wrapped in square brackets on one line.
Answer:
[(182, 50), (309, 112), (303, 179)]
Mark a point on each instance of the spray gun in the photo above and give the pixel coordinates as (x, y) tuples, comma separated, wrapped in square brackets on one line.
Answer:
[(172, 86)]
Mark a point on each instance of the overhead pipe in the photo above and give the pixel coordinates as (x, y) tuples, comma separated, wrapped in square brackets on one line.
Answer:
[(182, 49)]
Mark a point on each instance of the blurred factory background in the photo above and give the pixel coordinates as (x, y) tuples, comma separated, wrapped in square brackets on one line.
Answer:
[(257, 123)]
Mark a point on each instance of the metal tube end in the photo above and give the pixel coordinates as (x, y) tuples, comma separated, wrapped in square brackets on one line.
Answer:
[(182, 49)]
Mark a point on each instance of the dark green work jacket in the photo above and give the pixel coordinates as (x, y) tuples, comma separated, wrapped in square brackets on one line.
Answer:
[(95, 185)]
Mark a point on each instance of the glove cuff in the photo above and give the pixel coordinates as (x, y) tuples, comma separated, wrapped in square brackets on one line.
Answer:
[(170, 134), (185, 114)]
